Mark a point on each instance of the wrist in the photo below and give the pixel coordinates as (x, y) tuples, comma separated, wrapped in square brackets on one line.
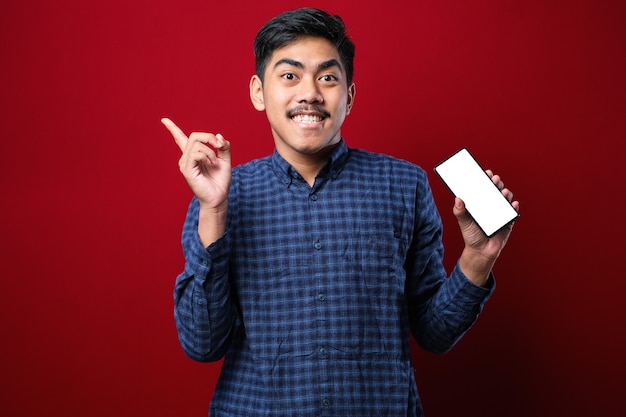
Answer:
[(208, 210), (475, 266), (212, 222)]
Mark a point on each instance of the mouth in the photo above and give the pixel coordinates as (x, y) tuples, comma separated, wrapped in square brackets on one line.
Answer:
[(308, 115), (307, 118)]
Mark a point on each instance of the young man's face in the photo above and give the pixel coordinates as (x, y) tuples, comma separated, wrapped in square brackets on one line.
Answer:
[(305, 96)]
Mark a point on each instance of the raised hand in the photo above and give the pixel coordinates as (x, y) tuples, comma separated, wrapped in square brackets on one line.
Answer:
[(206, 165), (207, 170), (481, 252)]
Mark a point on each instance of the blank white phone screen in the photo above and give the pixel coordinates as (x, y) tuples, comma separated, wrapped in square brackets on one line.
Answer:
[(483, 200)]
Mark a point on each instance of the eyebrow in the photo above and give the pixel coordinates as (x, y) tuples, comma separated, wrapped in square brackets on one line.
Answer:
[(322, 66)]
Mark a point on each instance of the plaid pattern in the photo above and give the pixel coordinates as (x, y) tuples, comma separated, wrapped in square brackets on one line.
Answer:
[(313, 292)]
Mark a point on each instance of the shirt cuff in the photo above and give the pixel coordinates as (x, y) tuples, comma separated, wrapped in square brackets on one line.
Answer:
[(211, 260), (468, 292)]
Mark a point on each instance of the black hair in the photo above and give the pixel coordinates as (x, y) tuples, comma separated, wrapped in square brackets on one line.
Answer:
[(291, 25)]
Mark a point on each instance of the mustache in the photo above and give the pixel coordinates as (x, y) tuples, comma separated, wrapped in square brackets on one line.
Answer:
[(309, 108)]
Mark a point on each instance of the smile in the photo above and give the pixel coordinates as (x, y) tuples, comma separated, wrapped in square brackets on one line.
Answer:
[(307, 118), (308, 114)]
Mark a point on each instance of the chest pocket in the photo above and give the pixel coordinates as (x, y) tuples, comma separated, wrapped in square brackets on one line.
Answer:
[(381, 265)]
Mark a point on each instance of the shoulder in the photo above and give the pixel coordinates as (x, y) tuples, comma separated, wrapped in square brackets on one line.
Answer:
[(386, 165), (252, 168), (253, 178)]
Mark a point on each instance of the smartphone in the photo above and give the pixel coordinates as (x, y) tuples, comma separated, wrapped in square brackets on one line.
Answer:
[(483, 200)]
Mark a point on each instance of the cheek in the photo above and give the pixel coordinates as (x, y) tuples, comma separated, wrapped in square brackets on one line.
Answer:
[(274, 112), (342, 110), (277, 102), (277, 93)]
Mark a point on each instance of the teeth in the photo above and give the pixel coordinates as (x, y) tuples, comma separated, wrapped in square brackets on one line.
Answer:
[(306, 118)]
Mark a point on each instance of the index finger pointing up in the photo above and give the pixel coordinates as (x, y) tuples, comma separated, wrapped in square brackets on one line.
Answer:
[(179, 136)]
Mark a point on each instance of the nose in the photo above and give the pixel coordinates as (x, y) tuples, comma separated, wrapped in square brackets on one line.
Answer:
[(309, 91)]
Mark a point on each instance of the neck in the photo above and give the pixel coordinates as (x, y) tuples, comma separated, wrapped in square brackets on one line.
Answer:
[(309, 171), (307, 165)]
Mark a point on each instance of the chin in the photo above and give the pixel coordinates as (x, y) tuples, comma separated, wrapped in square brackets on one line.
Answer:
[(314, 148)]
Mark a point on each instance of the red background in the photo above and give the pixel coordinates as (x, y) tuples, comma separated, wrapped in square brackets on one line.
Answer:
[(92, 200)]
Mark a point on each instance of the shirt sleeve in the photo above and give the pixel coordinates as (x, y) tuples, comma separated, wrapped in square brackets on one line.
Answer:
[(441, 308), (204, 311)]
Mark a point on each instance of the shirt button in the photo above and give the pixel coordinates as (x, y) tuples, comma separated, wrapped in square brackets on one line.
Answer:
[(314, 197), (321, 297), (317, 245), (323, 351), (326, 402)]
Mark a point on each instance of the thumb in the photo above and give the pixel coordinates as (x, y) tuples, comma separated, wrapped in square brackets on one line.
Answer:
[(223, 148), (460, 212)]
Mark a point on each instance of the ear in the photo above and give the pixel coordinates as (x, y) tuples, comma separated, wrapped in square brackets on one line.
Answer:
[(256, 93), (351, 94)]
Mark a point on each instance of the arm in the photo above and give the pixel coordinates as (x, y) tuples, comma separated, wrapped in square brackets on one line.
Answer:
[(442, 309), (208, 174), (204, 311)]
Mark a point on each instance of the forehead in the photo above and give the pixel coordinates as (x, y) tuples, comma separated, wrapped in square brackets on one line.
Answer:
[(307, 50)]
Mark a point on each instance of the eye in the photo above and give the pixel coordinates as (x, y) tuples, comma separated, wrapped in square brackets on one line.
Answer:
[(329, 78), (289, 76)]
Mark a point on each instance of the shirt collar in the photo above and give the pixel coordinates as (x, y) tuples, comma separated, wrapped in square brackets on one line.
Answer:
[(333, 167)]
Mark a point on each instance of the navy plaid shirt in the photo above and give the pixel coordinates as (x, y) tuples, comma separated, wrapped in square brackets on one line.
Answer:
[(312, 292)]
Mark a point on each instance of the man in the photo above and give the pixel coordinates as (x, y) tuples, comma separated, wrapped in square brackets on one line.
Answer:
[(308, 270)]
